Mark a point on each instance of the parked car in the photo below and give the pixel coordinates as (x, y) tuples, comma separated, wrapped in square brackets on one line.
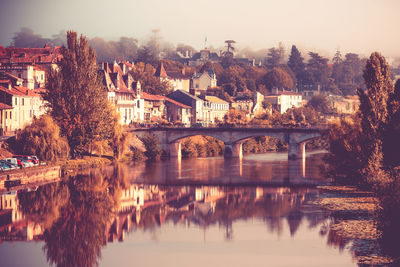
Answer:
[(15, 161), (24, 161), (4, 166), (10, 165), (32, 159)]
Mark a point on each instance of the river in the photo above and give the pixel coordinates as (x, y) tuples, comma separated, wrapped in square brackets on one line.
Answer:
[(258, 211)]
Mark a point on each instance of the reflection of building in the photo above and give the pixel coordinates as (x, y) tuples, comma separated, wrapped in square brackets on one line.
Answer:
[(13, 225)]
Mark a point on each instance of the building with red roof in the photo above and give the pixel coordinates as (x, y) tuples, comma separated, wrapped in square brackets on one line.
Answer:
[(123, 91), (178, 79), (32, 77), (48, 56), (20, 106)]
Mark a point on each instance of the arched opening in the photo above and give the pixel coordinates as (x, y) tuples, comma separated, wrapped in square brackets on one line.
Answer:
[(201, 146), (264, 144)]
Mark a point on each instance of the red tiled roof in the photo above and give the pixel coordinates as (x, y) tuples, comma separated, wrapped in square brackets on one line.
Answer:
[(26, 91), (11, 91), (150, 97), (147, 96), (5, 106)]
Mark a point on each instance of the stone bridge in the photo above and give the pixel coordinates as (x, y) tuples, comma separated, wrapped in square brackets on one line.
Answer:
[(233, 138)]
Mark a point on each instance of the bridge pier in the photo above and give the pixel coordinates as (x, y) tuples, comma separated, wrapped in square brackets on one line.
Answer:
[(296, 150), (175, 150), (234, 150)]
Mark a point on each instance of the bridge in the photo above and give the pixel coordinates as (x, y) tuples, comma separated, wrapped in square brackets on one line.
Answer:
[(233, 138)]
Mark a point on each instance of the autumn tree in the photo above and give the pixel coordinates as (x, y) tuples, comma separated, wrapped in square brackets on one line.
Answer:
[(279, 78), (76, 97), (42, 138)]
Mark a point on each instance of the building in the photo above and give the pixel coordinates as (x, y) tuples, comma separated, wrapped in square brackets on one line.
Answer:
[(202, 81), (281, 101), (196, 104), (344, 105), (251, 104), (178, 79), (47, 57), (123, 92), (32, 76), (25, 104), (204, 56), (154, 108), (214, 109)]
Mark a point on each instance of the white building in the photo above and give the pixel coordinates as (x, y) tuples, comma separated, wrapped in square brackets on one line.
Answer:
[(203, 81), (33, 76), (282, 101)]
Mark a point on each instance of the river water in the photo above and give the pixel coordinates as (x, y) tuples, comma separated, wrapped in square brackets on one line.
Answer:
[(258, 211)]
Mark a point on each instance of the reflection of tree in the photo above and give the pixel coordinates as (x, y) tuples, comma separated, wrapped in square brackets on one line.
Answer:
[(76, 238), (43, 206)]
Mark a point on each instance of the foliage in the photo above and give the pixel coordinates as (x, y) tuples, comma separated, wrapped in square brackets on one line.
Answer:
[(201, 146), (235, 117), (346, 150), (297, 65), (152, 145), (278, 78), (320, 103), (275, 56), (318, 70), (149, 83), (77, 98), (42, 138)]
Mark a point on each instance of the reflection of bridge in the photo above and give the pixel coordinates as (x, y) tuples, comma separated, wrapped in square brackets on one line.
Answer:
[(233, 138)]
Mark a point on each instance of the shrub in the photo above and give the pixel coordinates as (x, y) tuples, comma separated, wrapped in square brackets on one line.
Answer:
[(152, 145), (42, 138)]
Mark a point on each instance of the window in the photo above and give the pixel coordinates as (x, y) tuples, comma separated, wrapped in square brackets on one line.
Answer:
[(138, 104), (16, 101), (10, 114), (23, 102), (6, 114)]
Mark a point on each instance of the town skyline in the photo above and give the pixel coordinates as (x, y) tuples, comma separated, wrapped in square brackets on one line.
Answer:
[(310, 25)]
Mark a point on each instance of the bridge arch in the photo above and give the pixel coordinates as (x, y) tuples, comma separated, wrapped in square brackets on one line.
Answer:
[(233, 138)]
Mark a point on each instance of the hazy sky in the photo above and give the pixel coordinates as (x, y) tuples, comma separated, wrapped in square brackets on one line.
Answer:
[(360, 26)]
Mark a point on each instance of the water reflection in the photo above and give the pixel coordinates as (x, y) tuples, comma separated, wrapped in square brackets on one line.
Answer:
[(76, 218), (253, 169)]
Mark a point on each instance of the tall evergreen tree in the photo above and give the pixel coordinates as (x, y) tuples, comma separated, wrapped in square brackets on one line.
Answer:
[(77, 98), (296, 64), (318, 69)]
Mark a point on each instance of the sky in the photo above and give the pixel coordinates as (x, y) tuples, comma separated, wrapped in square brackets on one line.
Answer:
[(360, 26)]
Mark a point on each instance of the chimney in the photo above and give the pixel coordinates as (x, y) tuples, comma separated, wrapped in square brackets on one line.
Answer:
[(183, 71), (275, 91)]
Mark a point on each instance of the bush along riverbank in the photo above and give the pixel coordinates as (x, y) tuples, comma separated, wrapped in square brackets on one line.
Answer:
[(365, 151)]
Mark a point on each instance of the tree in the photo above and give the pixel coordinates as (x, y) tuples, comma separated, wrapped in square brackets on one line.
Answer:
[(391, 146), (296, 63), (77, 99), (318, 69), (42, 138), (152, 145), (320, 103), (275, 56), (279, 78), (26, 38)]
